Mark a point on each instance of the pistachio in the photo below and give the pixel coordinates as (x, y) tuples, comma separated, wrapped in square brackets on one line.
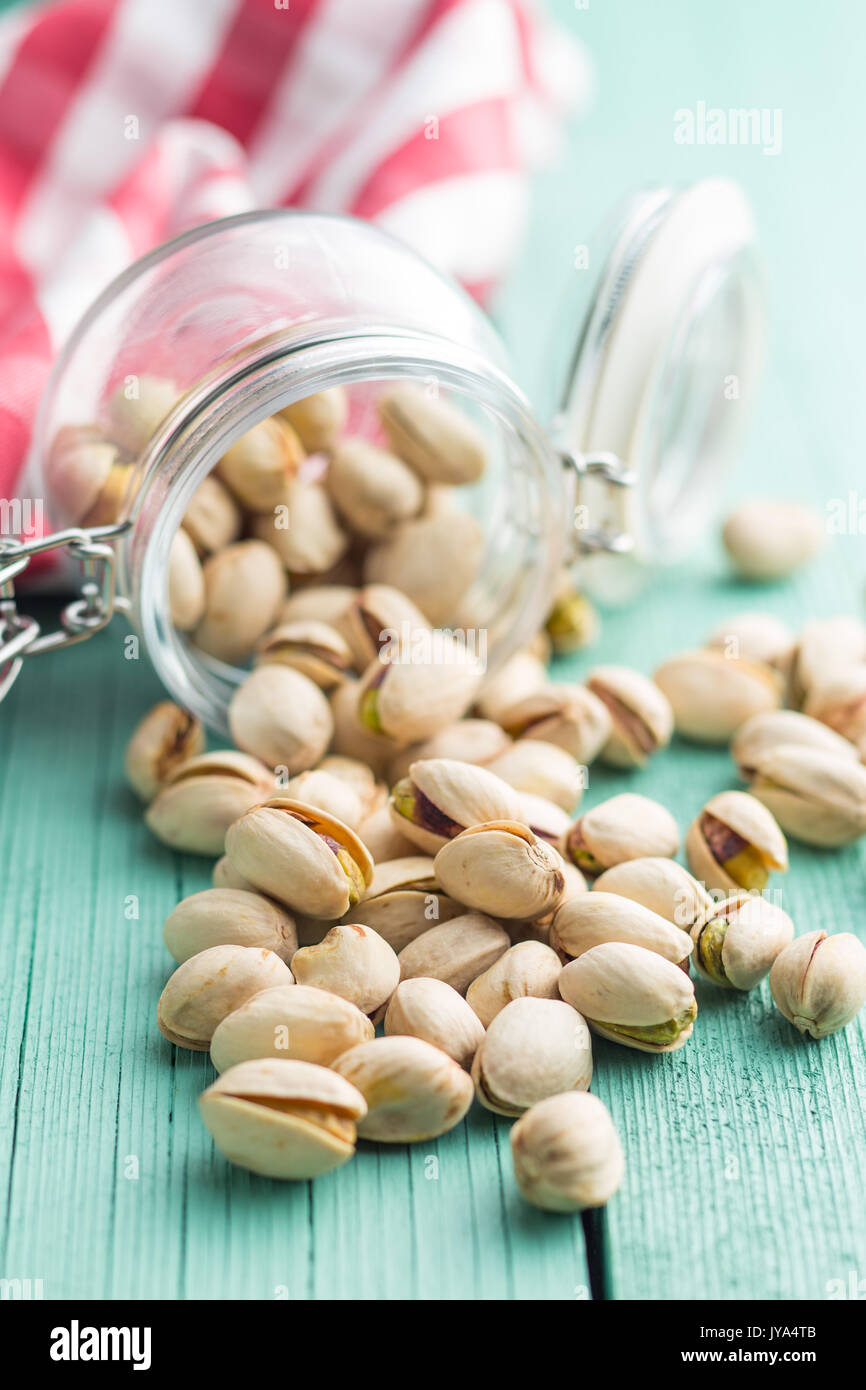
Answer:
[(413, 1090), (522, 675), (225, 876), (436, 1013), (825, 647), (632, 996), (212, 519), (327, 793), (432, 560), (283, 1119), (281, 717), (735, 843), (115, 496), (477, 741), (244, 585), (572, 622), (642, 720), (532, 1049), (259, 465), (815, 797), (738, 940), (567, 715), (77, 469), (210, 985), (758, 637), (318, 419), (351, 738), (538, 928), (439, 441), (501, 868), (186, 587), (319, 603), (382, 839), (567, 1154), (377, 619), (313, 648), (541, 769), (137, 408), (712, 694), (357, 775), (456, 952), (404, 900), (545, 819), (528, 970), (441, 797), (410, 699), (764, 733), (595, 917), (303, 530), (302, 857), (819, 982), (768, 540), (298, 1023), (372, 489), (662, 885), (623, 827), (839, 701), (353, 961), (228, 917), (202, 796), (166, 737)]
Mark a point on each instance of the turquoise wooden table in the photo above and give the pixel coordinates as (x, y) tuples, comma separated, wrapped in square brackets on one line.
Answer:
[(745, 1151)]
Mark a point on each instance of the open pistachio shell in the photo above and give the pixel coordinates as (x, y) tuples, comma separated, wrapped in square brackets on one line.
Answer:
[(712, 694), (328, 793), (412, 696), (816, 797), (759, 637), (738, 940), (165, 738), (441, 797), (202, 796), (438, 440), (353, 961), (735, 843), (209, 985), (501, 868), (532, 1049), (296, 1023), (825, 647), (313, 648), (303, 529), (318, 419), (660, 884), (642, 720), (627, 826), (413, 1090), (764, 733), (596, 917), (244, 585), (403, 900), (477, 741), (377, 619), (632, 996), (282, 717), (433, 560), (523, 675), (569, 716), (541, 769), (259, 465)]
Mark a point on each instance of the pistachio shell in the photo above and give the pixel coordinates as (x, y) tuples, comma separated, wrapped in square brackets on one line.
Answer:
[(210, 985), (819, 982), (321, 603), (738, 940), (377, 619), (372, 489), (618, 986), (596, 917), (523, 675), (404, 900), (382, 838), (281, 717), (186, 586), (839, 701), (442, 797), (527, 970), (734, 843), (202, 796), (283, 1119), (627, 826), (358, 776), (541, 769), (212, 519), (244, 586), (313, 648), (567, 1154), (567, 715), (412, 699), (770, 539), (436, 1013), (290, 851), (259, 465), (330, 794), (818, 798), (351, 739), (662, 885), (79, 464), (228, 917), (758, 637), (764, 733), (712, 694), (225, 876), (352, 961), (433, 560), (166, 737), (298, 1023), (476, 741), (303, 529), (533, 1048), (456, 951), (545, 819), (825, 646), (439, 441), (413, 1091), (137, 408), (318, 419), (642, 720), (115, 496), (503, 869)]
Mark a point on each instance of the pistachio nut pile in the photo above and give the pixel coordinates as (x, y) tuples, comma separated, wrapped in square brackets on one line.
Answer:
[(411, 910)]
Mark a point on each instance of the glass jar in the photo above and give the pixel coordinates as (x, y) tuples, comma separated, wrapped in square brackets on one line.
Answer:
[(249, 314)]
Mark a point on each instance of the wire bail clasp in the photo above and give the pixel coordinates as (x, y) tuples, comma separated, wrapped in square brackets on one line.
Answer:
[(615, 480)]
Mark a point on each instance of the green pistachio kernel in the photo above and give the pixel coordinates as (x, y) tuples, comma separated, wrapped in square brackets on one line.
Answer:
[(369, 710), (709, 951), (658, 1034), (404, 798)]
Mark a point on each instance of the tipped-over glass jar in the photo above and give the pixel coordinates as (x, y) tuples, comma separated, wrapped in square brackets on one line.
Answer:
[(239, 320)]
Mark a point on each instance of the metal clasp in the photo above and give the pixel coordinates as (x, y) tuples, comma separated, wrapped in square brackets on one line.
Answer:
[(610, 470), (22, 636)]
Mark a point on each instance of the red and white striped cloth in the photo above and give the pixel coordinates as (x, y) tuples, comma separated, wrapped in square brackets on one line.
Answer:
[(124, 122)]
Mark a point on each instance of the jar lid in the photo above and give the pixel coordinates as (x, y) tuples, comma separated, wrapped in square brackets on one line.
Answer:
[(659, 385)]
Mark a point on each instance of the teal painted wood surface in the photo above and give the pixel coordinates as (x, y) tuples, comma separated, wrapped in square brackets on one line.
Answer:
[(745, 1151)]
